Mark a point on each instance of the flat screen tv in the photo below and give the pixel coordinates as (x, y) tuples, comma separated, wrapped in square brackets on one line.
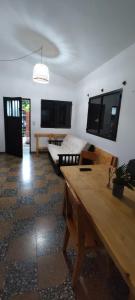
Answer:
[(103, 114), (56, 114)]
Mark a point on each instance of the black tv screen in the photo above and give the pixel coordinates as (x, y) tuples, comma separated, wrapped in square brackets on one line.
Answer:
[(56, 114)]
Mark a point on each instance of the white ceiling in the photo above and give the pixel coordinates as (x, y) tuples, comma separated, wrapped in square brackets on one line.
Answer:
[(77, 36)]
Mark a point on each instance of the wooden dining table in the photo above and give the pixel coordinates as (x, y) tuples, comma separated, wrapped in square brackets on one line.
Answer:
[(113, 219)]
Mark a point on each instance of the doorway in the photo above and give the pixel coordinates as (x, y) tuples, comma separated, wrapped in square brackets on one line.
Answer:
[(17, 117), (26, 130)]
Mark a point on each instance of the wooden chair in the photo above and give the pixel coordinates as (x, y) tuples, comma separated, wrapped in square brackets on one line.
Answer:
[(80, 228)]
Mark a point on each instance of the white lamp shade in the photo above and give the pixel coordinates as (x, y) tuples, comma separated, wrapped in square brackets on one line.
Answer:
[(41, 73)]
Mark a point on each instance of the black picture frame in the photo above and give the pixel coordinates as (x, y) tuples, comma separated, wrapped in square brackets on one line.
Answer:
[(103, 114)]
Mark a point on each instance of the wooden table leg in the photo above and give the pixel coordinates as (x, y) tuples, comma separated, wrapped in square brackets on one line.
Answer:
[(131, 296)]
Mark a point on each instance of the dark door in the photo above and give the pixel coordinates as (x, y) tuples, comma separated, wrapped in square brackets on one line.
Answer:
[(13, 125)]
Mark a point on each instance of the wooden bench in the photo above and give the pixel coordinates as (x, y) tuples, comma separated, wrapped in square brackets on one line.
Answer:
[(99, 156)]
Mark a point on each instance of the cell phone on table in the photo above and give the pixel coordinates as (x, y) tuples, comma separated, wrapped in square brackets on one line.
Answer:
[(85, 169)]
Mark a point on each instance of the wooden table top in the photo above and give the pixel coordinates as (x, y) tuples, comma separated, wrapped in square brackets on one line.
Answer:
[(113, 219)]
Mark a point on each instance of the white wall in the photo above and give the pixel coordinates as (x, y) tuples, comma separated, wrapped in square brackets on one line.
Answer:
[(16, 80), (110, 77)]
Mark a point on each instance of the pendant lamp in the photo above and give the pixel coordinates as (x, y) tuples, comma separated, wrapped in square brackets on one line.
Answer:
[(41, 72)]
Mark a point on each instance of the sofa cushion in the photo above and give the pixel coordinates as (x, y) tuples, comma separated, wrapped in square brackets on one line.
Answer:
[(74, 144), (55, 150), (66, 140), (70, 145)]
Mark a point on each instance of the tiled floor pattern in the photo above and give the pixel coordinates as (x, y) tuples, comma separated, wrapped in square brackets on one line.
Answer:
[(32, 266)]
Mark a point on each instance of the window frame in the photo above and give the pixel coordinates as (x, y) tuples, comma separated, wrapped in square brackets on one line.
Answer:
[(98, 133), (56, 114)]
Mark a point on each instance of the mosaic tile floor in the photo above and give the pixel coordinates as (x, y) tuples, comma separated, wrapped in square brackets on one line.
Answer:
[(32, 266)]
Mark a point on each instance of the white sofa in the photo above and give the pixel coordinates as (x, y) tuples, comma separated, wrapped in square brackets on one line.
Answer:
[(69, 151)]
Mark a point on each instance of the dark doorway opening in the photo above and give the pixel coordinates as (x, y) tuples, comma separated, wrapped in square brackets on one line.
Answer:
[(17, 116), (26, 129)]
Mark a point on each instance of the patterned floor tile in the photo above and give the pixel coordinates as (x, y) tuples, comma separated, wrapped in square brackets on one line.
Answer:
[(56, 197), (7, 202), (41, 198), (12, 178), (51, 264), (10, 185), (26, 199), (45, 209), (32, 266), (38, 177), (39, 172), (26, 296), (49, 243), (9, 192), (26, 191), (23, 248), (21, 227), (2, 180), (13, 169), (4, 170), (45, 224), (25, 212), (40, 190), (59, 188), (20, 277), (60, 225), (5, 229), (3, 249), (2, 275), (7, 214), (39, 184), (63, 291)]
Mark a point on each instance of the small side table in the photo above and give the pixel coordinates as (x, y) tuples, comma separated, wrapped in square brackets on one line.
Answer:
[(50, 136)]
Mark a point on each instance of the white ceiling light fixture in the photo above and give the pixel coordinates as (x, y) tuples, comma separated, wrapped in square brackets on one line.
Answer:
[(41, 72)]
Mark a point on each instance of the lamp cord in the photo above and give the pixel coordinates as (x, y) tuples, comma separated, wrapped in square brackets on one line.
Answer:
[(41, 54), (22, 57)]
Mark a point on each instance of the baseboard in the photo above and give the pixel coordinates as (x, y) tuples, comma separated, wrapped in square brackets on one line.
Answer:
[(41, 151)]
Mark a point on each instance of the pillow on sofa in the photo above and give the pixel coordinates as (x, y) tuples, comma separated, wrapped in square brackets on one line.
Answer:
[(91, 148)]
